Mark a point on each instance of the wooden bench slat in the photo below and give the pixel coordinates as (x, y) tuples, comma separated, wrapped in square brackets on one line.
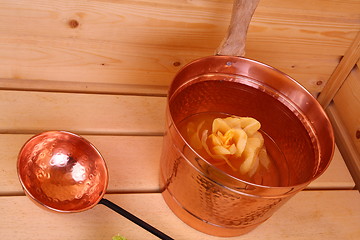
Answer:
[(133, 163), (313, 215), (336, 176), (29, 112)]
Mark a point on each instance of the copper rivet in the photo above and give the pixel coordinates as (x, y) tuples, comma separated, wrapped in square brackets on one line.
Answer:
[(176, 64), (319, 83), (357, 134), (73, 23)]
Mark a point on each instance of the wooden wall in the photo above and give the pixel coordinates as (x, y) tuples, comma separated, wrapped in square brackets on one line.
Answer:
[(138, 46)]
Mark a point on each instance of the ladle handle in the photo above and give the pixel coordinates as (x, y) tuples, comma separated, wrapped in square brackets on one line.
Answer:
[(134, 219), (234, 42)]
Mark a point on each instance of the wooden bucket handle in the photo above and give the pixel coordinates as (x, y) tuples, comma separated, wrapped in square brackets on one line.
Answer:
[(234, 42)]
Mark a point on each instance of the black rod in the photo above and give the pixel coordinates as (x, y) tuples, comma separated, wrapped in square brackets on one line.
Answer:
[(134, 219)]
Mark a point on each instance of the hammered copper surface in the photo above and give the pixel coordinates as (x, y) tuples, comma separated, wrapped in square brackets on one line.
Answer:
[(209, 199), (62, 171)]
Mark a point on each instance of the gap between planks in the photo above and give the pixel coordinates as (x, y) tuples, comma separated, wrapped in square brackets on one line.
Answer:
[(85, 133), (82, 88)]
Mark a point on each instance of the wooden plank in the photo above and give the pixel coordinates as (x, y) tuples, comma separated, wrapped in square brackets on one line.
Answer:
[(133, 163), (311, 70), (347, 104), (345, 115), (142, 42), (341, 72), (145, 42), (336, 176), (309, 215), (345, 143), (30, 112)]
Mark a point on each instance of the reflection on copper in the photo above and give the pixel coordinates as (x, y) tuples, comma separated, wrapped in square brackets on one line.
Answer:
[(59, 160)]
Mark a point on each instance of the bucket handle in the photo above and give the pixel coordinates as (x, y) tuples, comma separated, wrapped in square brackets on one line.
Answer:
[(234, 42)]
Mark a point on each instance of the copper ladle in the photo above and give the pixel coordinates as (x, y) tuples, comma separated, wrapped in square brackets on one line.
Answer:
[(64, 172)]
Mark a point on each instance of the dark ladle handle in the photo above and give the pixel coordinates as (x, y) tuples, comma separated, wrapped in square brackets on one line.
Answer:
[(134, 219)]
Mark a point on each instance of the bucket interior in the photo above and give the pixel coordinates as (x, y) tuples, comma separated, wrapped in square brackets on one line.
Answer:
[(297, 125)]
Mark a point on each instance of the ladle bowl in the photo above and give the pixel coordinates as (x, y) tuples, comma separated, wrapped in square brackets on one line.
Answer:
[(64, 172)]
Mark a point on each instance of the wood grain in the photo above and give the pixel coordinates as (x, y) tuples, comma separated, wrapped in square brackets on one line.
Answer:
[(309, 215), (146, 42), (114, 42)]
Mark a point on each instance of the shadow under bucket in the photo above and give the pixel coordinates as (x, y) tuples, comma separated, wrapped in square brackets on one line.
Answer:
[(203, 195)]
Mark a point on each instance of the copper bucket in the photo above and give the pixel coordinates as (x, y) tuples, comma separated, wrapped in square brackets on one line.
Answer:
[(207, 198)]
